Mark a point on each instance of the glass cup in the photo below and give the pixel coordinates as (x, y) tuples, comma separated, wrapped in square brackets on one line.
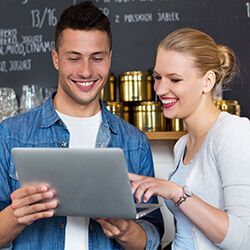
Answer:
[(30, 98), (8, 103), (48, 92)]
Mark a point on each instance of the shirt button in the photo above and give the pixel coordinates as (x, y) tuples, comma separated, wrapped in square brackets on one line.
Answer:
[(61, 226), (63, 144)]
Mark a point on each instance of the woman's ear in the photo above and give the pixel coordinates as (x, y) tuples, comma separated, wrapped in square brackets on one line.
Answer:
[(209, 80)]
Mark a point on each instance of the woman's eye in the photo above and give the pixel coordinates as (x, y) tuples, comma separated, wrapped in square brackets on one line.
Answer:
[(157, 77), (175, 80)]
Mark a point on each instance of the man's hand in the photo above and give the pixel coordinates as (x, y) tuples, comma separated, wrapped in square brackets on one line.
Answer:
[(33, 202), (113, 228), (129, 234)]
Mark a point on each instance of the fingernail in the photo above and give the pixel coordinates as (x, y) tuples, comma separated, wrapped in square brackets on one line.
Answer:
[(51, 213), (50, 194), (43, 188)]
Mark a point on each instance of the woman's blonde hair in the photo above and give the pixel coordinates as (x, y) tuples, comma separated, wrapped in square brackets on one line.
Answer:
[(206, 53)]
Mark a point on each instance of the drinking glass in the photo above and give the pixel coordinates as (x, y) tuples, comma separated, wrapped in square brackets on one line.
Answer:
[(48, 92), (8, 103), (30, 98)]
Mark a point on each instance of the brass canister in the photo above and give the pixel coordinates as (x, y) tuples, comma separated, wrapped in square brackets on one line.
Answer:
[(126, 113), (108, 93), (119, 109), (230, 106), (177, 124), (136, 86), (148, 116)]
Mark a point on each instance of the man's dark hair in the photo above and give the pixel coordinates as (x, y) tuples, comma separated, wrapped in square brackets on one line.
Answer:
[(82, 16)]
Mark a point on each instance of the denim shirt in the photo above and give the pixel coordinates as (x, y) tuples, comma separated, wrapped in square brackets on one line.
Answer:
[(42, 127)]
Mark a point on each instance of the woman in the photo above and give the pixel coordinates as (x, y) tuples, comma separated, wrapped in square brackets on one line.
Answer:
[(208, 191)]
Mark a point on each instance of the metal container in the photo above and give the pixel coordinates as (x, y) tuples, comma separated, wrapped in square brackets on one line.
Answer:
[(177, 124), (108, 93), (119, 109), (136, 86), (230, 106), (126, 113), (148, 116)]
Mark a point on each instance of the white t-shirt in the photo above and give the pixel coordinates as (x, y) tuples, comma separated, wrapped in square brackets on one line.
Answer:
[(83, 133)]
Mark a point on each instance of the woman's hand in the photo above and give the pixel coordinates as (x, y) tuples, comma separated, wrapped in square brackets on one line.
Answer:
[(33, 202), (143, 186)]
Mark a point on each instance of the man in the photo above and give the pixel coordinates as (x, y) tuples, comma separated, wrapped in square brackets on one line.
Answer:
[(73, 117)]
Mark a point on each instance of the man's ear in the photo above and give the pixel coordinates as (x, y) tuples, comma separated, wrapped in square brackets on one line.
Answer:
[(55, 58), (209, 81)]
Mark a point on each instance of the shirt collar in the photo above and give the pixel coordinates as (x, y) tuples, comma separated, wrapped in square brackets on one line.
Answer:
[(50, 117), (108, 119)]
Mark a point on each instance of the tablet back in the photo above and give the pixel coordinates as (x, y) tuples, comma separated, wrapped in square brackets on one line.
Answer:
[(88, 182)]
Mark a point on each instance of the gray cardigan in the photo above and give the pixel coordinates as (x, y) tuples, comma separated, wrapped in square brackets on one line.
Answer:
[(221, 177)]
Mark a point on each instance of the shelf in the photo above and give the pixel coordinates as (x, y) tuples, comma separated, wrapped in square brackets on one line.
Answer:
[(165, 135)]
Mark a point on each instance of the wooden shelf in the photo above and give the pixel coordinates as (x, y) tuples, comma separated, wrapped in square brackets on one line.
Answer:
[(165, 135)]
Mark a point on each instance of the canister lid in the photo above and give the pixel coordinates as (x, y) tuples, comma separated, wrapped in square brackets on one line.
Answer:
[(148, 106), (111, 77), (113, 106), (230, 106), (135, 76)]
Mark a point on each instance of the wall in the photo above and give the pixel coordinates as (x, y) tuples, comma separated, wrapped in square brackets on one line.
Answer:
[(27, 33)]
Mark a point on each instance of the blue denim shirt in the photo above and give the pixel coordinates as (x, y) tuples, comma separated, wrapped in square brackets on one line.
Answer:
[(42, 127)]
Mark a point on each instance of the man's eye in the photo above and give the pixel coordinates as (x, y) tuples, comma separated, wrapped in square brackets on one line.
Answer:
[(73, 59), (98, 59)]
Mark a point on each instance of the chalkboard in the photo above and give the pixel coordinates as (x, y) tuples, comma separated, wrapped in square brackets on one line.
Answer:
[(27, 36)]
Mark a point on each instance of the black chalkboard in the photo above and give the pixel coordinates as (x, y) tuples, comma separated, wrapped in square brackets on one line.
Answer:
[(27, 34)]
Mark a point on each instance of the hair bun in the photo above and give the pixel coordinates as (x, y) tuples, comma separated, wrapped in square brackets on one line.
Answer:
[(227, 63)]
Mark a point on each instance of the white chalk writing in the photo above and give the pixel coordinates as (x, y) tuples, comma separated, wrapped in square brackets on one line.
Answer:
[(248, 9), (20, 65), (168, 16), (135, 18), (39, 17), (13, 45)]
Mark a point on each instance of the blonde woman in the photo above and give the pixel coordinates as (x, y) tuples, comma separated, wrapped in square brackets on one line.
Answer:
[(208, 190)]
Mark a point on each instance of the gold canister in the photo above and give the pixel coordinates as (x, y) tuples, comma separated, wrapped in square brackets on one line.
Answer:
[(136, 86), (230, 106), (148, 116), (119, 109), (126, 113), (177, 124), (108, 93)]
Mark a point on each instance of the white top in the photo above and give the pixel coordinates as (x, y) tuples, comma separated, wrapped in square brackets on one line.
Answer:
[(83, 134), (220, 176)]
